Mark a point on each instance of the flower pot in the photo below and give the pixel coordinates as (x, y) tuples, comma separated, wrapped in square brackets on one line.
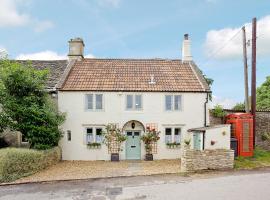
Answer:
[(115, 157), (148, 157)]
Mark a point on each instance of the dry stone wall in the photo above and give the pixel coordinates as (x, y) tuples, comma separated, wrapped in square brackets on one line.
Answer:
[(195, 160)]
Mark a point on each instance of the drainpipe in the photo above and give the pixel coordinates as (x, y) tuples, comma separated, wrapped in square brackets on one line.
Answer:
[(205, 109)]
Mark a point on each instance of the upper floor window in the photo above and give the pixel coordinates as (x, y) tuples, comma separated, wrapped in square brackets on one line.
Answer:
[(173, 102), (134, 102), (94, 101)]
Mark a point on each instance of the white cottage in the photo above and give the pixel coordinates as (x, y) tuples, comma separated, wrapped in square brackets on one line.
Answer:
[(169, 95)]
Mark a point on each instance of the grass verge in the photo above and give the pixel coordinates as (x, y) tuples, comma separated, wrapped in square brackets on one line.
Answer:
[(261, 158)]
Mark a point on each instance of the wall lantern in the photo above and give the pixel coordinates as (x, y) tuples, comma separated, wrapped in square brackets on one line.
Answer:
[(133, 125)]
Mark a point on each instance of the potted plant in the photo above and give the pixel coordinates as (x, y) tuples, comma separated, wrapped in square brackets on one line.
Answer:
[(149, 137), (113, 138), (187, 143)]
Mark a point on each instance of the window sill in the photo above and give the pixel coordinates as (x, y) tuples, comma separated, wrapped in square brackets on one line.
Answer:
[(94, 145), (89, 110), (173, 145)]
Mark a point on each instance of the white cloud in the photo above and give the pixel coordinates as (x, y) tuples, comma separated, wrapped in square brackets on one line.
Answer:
[(113, 3), (3, 53), (89, 56), (220, 45), (43, 25), (10, 16), (224, 102), (46, 55)]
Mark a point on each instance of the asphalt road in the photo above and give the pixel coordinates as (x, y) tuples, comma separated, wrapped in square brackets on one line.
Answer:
[(254, 185)]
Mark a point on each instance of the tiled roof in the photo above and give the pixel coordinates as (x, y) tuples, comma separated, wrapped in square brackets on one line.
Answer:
[(56, 69), (134, 75)]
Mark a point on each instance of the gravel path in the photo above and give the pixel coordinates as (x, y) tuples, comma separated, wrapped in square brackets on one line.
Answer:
[(69, 170)]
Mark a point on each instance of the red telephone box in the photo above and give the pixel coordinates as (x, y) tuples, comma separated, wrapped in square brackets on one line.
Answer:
[(242, 130)]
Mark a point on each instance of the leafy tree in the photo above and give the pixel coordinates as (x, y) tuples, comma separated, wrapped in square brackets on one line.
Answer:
[(26, 106), (263, 95), (239, 106)]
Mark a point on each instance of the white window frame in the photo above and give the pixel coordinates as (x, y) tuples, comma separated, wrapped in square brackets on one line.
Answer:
[(94, 102), (173, 133), (133, 102), (173, 102), (94, 133)]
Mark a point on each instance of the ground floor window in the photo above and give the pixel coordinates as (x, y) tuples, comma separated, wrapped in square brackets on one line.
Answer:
[(94, 134), (173, 135)]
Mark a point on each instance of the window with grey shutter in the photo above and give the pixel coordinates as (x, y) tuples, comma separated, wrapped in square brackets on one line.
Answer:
[(129, 102), (177, 102), (138, 101), (168, 135), (98, 135), (177, 135), (168, 102), (99, 101), (89, 135), (89, 101)]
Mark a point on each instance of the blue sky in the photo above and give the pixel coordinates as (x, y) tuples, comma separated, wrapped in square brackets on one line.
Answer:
[(40, 29)]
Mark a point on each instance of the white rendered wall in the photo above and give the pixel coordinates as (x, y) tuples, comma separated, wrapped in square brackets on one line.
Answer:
[(220, 134), (77, 119)]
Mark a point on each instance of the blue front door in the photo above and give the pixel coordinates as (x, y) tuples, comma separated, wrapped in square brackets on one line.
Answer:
[(197, 142), (133, 145)]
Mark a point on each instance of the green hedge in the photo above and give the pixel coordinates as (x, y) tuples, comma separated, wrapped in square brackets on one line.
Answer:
[(17, 162)]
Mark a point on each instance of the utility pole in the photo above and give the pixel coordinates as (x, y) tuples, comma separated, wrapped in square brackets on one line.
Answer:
[(245, 69), (253, 78)]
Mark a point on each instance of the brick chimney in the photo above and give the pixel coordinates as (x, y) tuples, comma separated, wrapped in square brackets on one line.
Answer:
[(76, 49), (186, 49)]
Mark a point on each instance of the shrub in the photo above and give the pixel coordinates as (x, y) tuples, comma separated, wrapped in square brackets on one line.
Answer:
[(26, 106), (239, 106), (16, 162), (265, 137), (218, 111)]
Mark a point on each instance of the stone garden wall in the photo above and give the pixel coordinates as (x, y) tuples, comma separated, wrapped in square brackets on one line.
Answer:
[(195, 160), (262, 126)]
